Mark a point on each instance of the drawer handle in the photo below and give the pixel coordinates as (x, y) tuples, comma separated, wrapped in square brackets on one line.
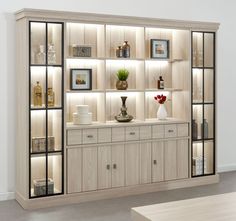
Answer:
[(114, 166), (90, 136), (170, 131), (155, 162), (132, 133), (108, 167)]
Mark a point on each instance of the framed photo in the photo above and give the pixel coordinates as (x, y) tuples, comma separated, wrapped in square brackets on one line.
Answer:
[(81, 79), (81, 51), (159, 48)]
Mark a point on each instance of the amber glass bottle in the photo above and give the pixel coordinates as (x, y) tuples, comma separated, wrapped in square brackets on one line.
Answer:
[(38, 99)]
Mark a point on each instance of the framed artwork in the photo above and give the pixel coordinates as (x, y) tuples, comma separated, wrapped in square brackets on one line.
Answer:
[(159, 48), (81, 79)]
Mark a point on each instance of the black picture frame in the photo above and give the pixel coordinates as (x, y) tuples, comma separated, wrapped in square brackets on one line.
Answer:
[(159, 49), (81, 79)]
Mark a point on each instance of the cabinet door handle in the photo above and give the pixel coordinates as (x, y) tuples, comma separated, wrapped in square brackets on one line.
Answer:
[(170, 131), (89, 136), (108, 167), (154, 162), (132, 133), (114, 166)]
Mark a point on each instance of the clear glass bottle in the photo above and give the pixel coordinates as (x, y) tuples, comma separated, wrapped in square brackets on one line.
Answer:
[(41, 56), (51, 54), (38, 99), (195, 131), (51, 97), (126, 49), (205, 129)]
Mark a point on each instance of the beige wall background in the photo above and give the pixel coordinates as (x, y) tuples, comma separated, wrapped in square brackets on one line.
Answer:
[(200, 10)]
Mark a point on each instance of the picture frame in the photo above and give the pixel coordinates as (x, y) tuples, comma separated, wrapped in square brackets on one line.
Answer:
[(159, 48), (81, 51), (81, 79)]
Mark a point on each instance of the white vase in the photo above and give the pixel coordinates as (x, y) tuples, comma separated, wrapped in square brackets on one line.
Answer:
[(161, 113)]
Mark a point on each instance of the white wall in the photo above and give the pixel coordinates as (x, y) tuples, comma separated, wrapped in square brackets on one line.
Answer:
[(203, 10)]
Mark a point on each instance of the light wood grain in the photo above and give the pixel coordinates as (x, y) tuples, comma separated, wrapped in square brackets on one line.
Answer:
[(157, 161), (182, 158), (89, 172), (118, 159), (219, 207), (74, 170), (132, 164), (145, 162)]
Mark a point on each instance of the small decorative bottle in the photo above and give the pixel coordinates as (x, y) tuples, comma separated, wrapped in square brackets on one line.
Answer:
[(204, 127), (51, 97), (126, 49), (194, 131), (51, 54), (41, 56), (38, 99), (119, 52), (160, 83)]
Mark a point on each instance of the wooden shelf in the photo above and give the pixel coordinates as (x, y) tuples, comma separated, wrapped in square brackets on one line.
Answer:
[(84, 91)]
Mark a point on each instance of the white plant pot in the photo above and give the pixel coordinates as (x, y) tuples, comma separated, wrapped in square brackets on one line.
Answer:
[(162, 113)]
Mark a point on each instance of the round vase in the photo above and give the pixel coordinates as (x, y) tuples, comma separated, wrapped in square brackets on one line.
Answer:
[(121, 85), (162, 113)]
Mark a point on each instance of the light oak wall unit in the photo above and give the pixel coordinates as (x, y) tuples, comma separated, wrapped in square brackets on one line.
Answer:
[(108, 159)]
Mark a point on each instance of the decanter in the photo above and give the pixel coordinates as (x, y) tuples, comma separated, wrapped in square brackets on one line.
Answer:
[(41, 56), (51, 54)]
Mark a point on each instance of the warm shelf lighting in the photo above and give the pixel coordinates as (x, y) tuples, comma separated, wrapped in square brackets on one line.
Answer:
[(155, 63)]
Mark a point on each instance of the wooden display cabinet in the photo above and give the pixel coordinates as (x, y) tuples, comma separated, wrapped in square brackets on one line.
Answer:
[(107, 158)]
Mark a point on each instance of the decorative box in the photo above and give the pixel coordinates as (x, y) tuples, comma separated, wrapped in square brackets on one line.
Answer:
[(81, 51), (39, 144), (40, 187)]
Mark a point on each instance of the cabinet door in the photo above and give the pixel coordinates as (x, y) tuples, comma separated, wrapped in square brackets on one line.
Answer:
[(74, 170), (118, 165), (157, 161), (104, 167), (89, 168), (182, 158), (170, 160), (132, 164), (145, 162)]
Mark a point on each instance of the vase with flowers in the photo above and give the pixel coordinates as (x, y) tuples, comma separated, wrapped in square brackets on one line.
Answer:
[(161, 112)]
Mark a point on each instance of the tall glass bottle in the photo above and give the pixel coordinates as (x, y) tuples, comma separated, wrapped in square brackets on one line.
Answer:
[(38, 99), (51, 54), (51, 97), (204, 129), (41, 56)]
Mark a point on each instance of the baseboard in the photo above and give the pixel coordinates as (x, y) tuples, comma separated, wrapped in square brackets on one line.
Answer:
[(7, 196), (227, 168)]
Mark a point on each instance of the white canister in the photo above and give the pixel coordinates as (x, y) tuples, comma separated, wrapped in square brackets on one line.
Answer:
[(85, 118), (82, 109)]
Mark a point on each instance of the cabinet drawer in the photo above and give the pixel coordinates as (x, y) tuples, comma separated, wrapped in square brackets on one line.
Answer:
[(90, 136), (131, 133), (74, 137), (158, 131), (118, 134), (182, 130), (104, 135), (170, 130), (145, 132)]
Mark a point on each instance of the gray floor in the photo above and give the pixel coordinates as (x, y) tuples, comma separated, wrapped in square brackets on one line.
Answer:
[(113, 209)]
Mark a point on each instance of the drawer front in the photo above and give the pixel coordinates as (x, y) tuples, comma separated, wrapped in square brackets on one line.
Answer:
[(131, 133), (90, 136), (74, 137), (170, 130), (158, 131), (182, 130), (104, 135), (118, 134), (145, 132)]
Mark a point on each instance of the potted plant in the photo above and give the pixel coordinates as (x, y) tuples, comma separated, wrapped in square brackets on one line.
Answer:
[(122, 76)]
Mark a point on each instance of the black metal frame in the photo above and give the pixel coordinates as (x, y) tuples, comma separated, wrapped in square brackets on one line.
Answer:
[(46, 108), (203, 103), (151, 47)]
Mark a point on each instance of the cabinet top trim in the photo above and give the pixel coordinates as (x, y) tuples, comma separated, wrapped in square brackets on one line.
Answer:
[(114, 19)]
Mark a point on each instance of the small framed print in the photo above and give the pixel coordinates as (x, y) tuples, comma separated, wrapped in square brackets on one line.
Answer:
[(81, 51), (159, 48), (81, 79)]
